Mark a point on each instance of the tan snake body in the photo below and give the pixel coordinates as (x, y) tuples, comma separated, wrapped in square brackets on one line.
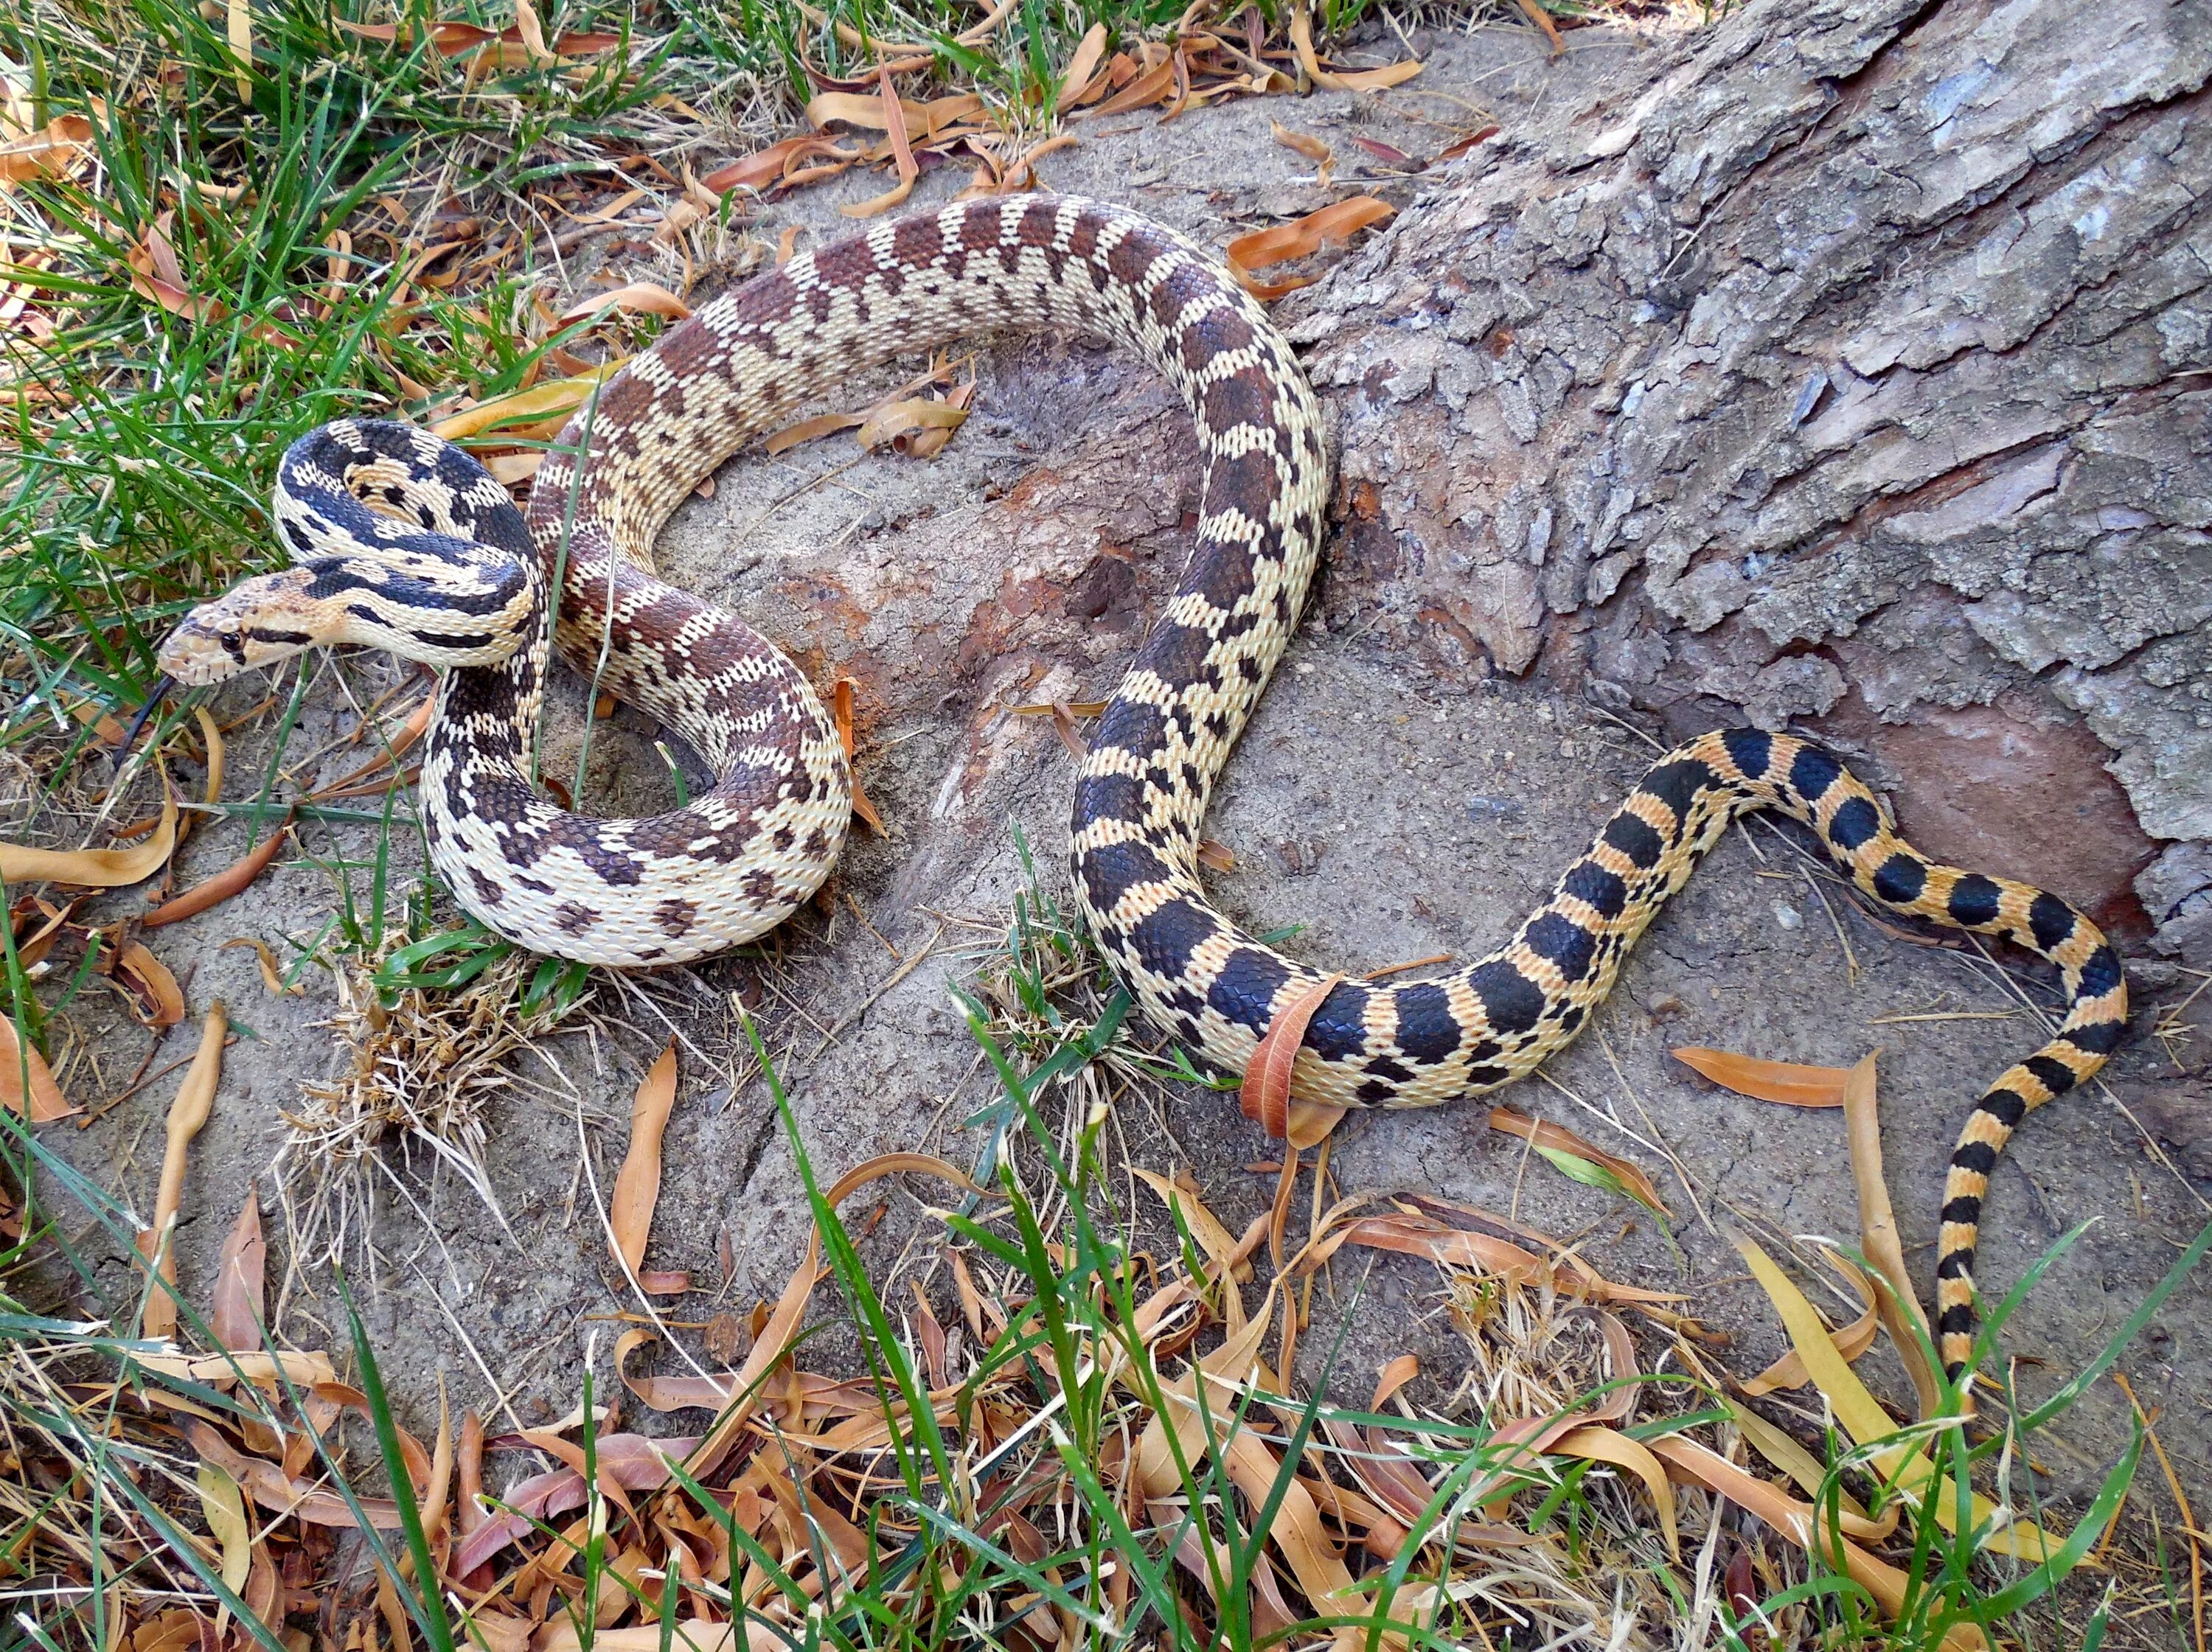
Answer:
[(403, 541)]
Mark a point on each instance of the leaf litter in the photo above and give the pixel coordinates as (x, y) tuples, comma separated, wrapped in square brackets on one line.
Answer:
[(791, 1498)]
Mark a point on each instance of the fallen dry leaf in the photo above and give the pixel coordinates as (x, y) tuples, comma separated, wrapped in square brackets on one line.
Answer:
[(48, 151), (311, 1369), (1542, 1133), (1265, 1096), (213, 891), (1076, 79), (1901, 1463), (187, 1113), (561, 396), (826, 424), (270, 977), (1688, 1461), (23, 1069), (898, 424), (158, 1001), (95, 868), (1298, 239), (234, 1314), (1542, 19), (641, 296), (637, 1186), (895, 125), (1357, 80), (840, 703), (1900, 1308), (1787, 1082)]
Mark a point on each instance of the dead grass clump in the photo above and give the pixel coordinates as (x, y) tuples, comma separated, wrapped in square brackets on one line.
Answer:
[(426, 1063)]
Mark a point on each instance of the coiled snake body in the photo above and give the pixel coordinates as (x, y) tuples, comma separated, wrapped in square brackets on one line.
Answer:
[(403, 541)]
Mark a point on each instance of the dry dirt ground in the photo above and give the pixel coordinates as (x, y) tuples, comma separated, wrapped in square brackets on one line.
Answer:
[(1392, 813)]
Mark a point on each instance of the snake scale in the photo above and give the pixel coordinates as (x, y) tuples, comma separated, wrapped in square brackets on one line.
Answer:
[(403, 542)]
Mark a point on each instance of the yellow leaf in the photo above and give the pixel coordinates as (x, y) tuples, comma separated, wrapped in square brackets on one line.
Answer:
[(1901, 1463), (240, 30), (540, 401), (223, 1506)]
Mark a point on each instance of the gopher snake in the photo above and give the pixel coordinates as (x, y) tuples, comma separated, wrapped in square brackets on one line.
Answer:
[(403, 541)]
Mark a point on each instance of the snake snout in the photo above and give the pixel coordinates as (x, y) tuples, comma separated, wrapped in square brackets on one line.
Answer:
[(255, 622)]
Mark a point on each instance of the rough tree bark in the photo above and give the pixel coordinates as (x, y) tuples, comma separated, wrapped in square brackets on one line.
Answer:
[(1855, 371)]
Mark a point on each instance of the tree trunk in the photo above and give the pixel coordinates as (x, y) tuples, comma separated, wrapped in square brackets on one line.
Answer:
[(1853, 370)]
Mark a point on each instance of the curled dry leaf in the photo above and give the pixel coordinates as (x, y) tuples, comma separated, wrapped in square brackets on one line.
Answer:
[(1548, 1138), (95, 868), (1307, 144), (1358, 80), (1603, 1445), (1264, 1097), (813, 429), (1787, 1082), (1263, 247), (637, 1186), (187, 1113), (230, 881), (1082, 68), (157, 1000), (1688, 1461), (1542, 19), (50, 151), (234, 1314), (24, 1071), (643, 297), (895, 125), (840, 704), (1392, 1377)]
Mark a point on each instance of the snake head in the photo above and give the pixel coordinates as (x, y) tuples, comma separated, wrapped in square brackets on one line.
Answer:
[(257, 621), (466, 615)]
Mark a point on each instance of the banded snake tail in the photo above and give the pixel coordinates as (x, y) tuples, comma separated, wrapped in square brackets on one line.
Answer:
[(402, 541)]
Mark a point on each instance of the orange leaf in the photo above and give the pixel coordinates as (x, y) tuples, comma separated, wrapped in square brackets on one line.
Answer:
[(639, 295), (21, 1062), (826, 424), (50, 149), (637, 1186), (1358, 80), (899, 423), (893, 120), (187, 1113), (235, 1314), (153, 984), (1266, 1095), (1340, 221), (215, 890), (1786, 1082), (1076, 81), (1392, 1377), (98, 868)]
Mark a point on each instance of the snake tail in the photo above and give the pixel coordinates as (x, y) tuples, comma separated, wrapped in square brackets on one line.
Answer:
[(1490, 1022)]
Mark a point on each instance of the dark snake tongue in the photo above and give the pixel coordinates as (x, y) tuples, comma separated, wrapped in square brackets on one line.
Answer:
[(162, 687)]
